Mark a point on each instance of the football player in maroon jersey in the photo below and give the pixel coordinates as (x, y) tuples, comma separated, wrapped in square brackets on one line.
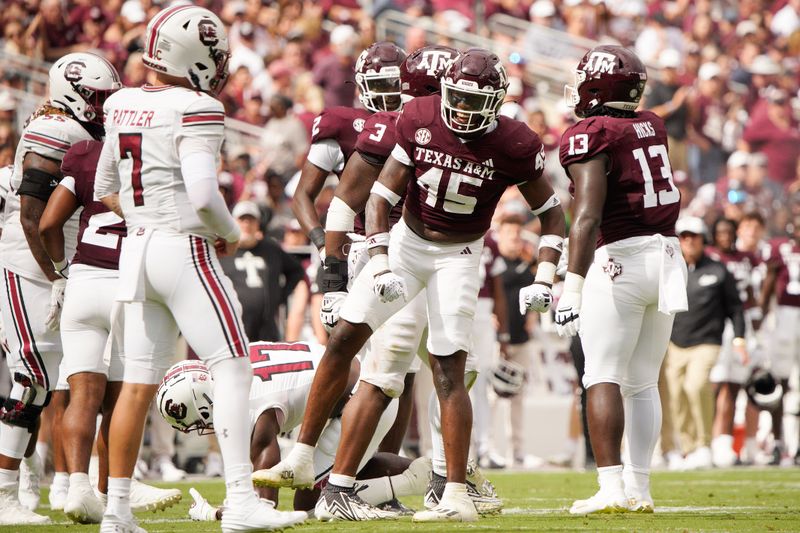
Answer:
[(395, 346), (783, 279), (623, 242), (334, 131), (89, 309), (455, 156)]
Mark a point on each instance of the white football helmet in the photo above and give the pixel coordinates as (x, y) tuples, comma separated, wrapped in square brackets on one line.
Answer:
[(80, 83), (189, 42), (507, 378), (184, 397)]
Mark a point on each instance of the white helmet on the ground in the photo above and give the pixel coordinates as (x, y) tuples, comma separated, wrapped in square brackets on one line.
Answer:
[(80, 84), (185, 399), (507, 378), (189, 42)]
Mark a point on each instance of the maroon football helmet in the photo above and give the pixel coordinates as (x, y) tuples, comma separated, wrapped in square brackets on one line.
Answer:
[(607, 76), (473, 89), (378, 76), (421, 72)]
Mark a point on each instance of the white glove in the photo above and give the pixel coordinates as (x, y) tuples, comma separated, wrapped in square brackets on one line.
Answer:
[(535, 297), (329, 310), (200, 510), (567, 317), (56, 304), (387, 285)]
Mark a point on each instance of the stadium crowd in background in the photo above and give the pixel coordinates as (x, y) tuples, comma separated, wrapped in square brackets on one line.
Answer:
[(724, 75)]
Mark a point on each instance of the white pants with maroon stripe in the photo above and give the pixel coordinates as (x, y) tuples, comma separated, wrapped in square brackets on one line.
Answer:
[(185, 291), (35, 350)]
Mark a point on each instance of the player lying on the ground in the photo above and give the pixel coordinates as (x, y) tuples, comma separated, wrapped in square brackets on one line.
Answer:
[(282, 376)]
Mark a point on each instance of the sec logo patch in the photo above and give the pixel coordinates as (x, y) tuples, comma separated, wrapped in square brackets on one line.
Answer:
[(422, 136), (358, 124)]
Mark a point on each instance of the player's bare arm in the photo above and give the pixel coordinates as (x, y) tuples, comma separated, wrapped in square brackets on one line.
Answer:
[(112, 202), (312, 178), (61, 206), (768, 287), (384, 195), (38, 174), (540, 195), (353, 189), (265, 451), (590, 195), (501, 312)]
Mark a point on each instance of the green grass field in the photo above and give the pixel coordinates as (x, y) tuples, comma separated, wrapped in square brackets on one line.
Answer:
[(732, 500)]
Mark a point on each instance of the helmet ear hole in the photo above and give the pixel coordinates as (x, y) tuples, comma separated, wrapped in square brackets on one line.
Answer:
[(200, 66)]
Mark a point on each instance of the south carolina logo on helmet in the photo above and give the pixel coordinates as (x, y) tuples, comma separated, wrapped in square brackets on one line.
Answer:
[(421, 72), (378, 76), (607, 76), (80, 83), (189, 42), (473, 89)]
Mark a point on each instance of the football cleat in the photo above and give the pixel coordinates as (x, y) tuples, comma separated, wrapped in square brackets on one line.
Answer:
[(200, 510), (449, 510), (30, 472), (147, 498), (116, 524), (641, 505), (602, 502), (339, 503), (14, 513), (259, 517), (82, 506), (396, 506), (484, 498), (58, 495), (285, 474)]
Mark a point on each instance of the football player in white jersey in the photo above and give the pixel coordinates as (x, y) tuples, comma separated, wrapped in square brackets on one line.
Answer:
[(282, 376), (158, 170), (33, 288)]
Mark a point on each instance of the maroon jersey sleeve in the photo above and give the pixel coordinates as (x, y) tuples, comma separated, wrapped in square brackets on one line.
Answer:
[(641, 197), (100, 230), (341, 124), (377, 139)]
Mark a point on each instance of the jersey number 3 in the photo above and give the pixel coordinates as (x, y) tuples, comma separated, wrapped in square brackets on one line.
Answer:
[(666, 196), (130, 147)]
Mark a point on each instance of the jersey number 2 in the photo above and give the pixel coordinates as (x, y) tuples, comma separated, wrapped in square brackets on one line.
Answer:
[(130, 147), (666, 196)]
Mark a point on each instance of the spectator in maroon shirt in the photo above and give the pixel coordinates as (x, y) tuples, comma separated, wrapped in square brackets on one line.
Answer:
[(706, 121), (773, 130), (335, 73), (58, 34)]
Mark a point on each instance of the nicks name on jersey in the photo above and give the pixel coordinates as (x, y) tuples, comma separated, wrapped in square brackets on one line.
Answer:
[(443, 160)]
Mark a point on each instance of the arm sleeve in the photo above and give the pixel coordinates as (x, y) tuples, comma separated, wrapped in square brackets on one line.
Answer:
[(106, 180), (199, 171), (733, 304)]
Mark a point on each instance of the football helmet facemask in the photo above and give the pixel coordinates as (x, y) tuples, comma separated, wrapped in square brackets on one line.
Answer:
[(185, 399), (421, 72), (189, 42), (607, 76), (80, 83), (378, 76), (507, 378), (473, 89)]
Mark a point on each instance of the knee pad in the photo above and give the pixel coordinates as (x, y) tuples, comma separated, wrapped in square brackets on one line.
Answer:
[(21, 408)]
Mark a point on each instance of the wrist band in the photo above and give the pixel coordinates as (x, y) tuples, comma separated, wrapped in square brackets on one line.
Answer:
[(573, 282), (378, 239), (545, 273), (317, 237)]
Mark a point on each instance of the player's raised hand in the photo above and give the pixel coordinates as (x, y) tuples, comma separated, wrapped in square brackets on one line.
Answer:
[(535, 297)]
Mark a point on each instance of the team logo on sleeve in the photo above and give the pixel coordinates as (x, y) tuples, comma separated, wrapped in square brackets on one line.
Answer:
[(612, 268), (600, 62), (358, 124), (422, 136), (208, 32), (74, 71)]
